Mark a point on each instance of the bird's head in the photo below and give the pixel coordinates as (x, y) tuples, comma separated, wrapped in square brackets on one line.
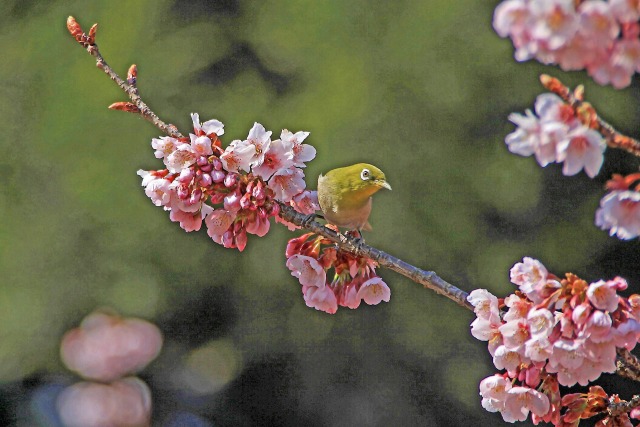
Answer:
[(362, 178)]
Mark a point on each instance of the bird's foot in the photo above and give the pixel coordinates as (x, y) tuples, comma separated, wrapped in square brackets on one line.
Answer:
[(358, 239), (308, 219)]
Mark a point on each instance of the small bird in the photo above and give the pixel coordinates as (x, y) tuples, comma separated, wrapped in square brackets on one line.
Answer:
[(345, 195)]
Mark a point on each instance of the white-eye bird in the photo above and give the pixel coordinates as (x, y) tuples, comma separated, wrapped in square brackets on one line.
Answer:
[(345, 195)]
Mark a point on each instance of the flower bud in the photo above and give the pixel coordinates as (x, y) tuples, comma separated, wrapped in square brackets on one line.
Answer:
[(217, 164), (186, 175), (219, 176), (245, 201), (202, 161), (232, 202), (195, 196), (230, 180), (206, 180), (183, 191)]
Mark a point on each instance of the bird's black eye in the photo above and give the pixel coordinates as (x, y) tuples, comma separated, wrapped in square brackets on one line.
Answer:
[(365, 174)]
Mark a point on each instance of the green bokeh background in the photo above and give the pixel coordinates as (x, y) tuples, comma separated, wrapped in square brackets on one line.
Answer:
[(421, 89)]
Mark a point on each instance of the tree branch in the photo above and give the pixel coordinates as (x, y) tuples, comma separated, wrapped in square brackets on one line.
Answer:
[(130, 88), (428, 279)]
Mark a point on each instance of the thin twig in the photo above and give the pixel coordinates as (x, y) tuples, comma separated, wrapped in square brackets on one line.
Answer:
[(587, 114), (623, 407), (628, 365), (88, 42)]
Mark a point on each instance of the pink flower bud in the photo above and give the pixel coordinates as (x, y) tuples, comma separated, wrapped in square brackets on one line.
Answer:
[(217, 164), (230, 180), (183, 191), (202, 161), (206, 168), (186, 175), (195, 196), (206, 180), (232, 202), (258, 191), (245, 201), (219, 176)]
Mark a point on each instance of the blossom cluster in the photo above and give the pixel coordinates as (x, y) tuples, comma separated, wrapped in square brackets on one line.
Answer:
[(554, 332), (106, 350), (234, 190), (555, 133), (354, 281), (619, 210), (597, 35)]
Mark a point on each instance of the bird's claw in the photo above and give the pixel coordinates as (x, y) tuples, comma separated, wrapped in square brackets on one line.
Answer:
[(308, 219)]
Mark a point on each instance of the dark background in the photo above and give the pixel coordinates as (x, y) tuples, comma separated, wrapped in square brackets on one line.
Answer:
[(421, 89)]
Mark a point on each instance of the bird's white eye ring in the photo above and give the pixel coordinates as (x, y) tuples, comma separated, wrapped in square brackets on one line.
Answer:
[(365, 174)]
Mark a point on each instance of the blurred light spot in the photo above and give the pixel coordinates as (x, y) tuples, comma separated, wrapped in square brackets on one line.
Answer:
[(209, 368)]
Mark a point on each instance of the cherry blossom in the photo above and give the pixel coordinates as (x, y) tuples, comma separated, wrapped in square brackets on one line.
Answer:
[(554, 332), (234, 190), (106, 347), (619, 213), (302, 153), (556, 135), (125, 402), (308, 271), (309, 259), (596, 35), (373, 291)]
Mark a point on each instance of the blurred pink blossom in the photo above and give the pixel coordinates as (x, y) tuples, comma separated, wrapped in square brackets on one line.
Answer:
[(106, 347), (122, 403)]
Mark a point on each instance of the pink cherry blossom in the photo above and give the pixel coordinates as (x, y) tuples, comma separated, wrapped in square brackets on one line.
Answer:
[(308, 271), (219, 221), (521, 400), (125, 402), (164, 146), (201, 145), (106, 347), (598, 327), (302, 153), (619, 212), (278, 156), (260, 139), (575, 35), (625, 10), (541, 322), (286, 183), (485, 304), (238, 156), (207, 128), (322, 299), (583, 148), (538, 349), (373, 291), (603, 295), (181, 158), (528, 274), (504, 358), (494, 390), (158, 190), (189, 221), (306, 202), (553, 22), (515, 334)]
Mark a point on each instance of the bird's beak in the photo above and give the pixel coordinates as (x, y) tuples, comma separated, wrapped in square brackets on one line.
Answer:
[(384, 184)]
